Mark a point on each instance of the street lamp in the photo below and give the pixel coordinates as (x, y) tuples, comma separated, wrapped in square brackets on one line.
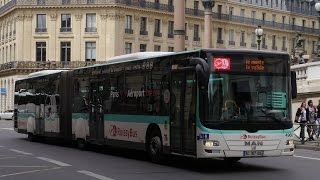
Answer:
[(317, 7), (259, 33)]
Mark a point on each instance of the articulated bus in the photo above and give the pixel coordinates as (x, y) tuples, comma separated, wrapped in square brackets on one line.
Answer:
[(207, 103)]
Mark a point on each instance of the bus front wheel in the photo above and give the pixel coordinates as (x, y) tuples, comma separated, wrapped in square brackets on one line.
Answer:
[(231, 160), (154, 146)]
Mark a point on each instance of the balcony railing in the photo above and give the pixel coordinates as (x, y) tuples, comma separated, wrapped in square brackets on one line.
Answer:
[(274, 48), (264, 46), (284, 49), (253, 45), (232, 43), (219, 41), (45, 65), (91, 29), (65, 29), (243, 44), (158, 34), (145, 33), (170, 36), (165, 8), (41, 30), (128, 31), (196, 39)]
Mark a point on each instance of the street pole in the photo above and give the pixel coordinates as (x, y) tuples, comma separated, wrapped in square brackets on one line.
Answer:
[(208, 5), (179, 25), (259, 41)]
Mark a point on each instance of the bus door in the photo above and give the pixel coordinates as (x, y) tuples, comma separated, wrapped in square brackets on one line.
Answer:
[(182, 112), (39, 113), (96, 114)]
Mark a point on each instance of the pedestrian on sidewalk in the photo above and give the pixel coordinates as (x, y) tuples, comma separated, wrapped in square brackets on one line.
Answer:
[(301, 116), (318, 121), (311, 119)]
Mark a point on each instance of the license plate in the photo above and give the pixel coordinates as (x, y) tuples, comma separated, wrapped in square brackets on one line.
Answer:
[(253, 153)]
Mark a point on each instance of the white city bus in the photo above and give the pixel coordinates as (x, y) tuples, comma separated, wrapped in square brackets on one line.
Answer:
[(204, 103)]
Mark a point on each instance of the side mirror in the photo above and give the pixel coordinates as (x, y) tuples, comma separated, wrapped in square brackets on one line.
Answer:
[(202, 70), (294, 92)]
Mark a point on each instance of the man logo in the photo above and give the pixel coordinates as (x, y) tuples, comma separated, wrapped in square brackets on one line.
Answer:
[(243, 136), (253, 143)]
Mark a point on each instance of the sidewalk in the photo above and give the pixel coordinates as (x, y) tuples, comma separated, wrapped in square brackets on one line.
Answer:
[(310, 145)]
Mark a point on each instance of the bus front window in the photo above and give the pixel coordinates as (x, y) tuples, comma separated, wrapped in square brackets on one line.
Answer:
[(242, 100)]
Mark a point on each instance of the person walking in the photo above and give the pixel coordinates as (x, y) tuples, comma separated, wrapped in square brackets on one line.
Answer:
[(301, 115), (311, 119)]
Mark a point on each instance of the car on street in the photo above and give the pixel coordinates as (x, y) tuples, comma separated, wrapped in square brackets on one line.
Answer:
[(8, 115)]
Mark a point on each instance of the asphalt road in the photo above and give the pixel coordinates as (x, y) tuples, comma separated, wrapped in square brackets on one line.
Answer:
[(21, 159)]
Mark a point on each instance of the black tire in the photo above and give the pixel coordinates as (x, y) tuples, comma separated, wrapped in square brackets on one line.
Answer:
[(232, 160), (154, 146), (31, 137), (81, 144)]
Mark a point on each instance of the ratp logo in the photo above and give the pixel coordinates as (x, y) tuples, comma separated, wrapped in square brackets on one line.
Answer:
[(243, 136)]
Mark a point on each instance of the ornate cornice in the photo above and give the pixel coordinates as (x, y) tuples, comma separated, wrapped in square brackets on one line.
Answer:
[(115, 16), (104, 17), (28, 17)]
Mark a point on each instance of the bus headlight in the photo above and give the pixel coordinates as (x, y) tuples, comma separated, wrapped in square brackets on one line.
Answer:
[(210, 143), (290, 142)]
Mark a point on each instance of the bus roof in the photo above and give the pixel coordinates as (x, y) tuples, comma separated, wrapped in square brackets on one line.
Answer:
[(244, 51), (136, 56), (42, 73)]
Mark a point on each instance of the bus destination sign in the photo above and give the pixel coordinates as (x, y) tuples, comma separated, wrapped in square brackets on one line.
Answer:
[(254, 65)]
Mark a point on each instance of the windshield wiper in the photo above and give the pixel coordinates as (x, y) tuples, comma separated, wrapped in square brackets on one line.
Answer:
[(275, 119)]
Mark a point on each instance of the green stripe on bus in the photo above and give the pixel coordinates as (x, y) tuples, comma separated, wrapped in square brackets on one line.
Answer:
[(126, 118), (25, 115)]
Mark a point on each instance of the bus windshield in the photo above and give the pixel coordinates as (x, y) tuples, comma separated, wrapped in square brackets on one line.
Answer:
[(245, 99)]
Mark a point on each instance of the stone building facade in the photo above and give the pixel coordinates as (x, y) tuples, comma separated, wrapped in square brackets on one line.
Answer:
[(46, 34)]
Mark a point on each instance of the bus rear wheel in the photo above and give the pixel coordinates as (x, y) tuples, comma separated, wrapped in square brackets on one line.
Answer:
[(154, 146), (81, 144)]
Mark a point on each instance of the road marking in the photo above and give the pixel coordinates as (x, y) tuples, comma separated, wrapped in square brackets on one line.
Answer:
[(1, 146), (27, 172), (318, 159), (8, 157), (24, 166), (54, 161), (97, 176), (21, 152), (11, 129)]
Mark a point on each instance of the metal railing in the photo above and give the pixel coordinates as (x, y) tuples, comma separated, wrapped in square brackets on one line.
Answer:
[(159, 7), (312, 131)]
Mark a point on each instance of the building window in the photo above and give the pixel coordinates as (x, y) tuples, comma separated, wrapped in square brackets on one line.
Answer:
[(65, 23), (41, 51), (263, 16), (303, 23), (171, 49), (91, 1), (230, 11), (231, 37), (242, 39), (129, 29), (263, 41), (273, 18), (157, 48), (242, 13), (143, 26), (284, 42), (90, 51), (313, 24), (196, 36), (170, 29), (253, 14), (157, 28), (41, 23), (283, 19), (293, 21), (128, 48), (314, 48), (274, 47), (143, 47), (91, 23), (253, 40), (219, 36), (66, 2), (65, 54)]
